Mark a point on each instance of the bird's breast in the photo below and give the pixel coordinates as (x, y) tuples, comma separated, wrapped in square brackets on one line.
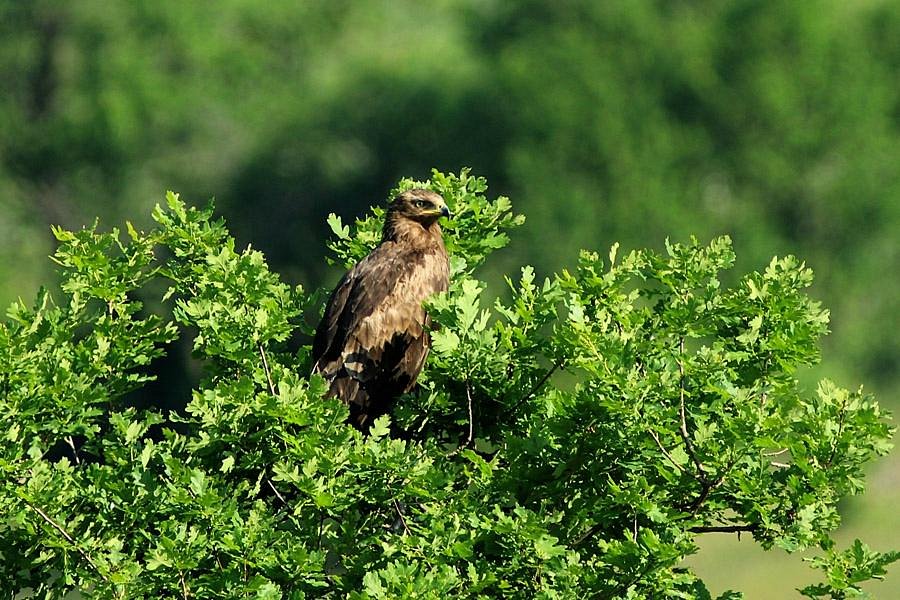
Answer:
[(401, 312)]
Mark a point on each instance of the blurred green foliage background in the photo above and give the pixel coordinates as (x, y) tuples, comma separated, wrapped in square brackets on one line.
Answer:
[(777, 122)]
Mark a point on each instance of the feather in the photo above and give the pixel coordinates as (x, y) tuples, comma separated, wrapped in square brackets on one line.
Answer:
[(373, 339)]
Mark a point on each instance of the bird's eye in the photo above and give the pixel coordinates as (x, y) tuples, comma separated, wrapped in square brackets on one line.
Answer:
[(421, 203)]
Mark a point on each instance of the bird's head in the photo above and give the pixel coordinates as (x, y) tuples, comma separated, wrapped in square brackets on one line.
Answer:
[(423, 206)]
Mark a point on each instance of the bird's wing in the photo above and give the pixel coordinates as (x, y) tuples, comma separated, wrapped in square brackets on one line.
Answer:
[(361, 291), (326, 332), (372, 341)]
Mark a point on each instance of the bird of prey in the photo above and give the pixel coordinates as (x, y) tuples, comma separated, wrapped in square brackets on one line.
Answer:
[(373, 338)]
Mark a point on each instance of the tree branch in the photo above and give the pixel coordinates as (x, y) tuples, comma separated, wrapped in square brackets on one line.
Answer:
[(184, 589), (537, 387), (708, 486), (71, 443), (724, 529), (277, 493), (705, 490), (469, 398), (664, 451), (592, 530), (400, 514), (776, 452), (685, 436), (840, 432), (66, 535), (262, 353)]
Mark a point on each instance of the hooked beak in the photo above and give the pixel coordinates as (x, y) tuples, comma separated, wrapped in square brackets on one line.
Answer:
[(445, 212)]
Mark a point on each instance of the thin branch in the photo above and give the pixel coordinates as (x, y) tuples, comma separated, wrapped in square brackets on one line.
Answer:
[(71, 443), (470, 435), (685, 436), (66, 535), (586, 535), (664, 451), (622, 588), (724, 529), (400, 514), (780, 465), (705, 490), (840, 432), (469, 398), (277, 493), (424, 423), (262, 353), (537, 386), (708, 486), (184, 589), (763, 395), (776, 453)]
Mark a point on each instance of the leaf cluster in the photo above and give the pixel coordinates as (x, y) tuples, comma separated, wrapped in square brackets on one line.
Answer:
[(570, 439)]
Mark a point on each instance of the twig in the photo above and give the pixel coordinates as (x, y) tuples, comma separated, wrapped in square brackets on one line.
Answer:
[(622, 588), (424, 423), (840, 432), (184, 590), (66, 535), (277, 493), (71, 443), (705, 489), (664, 451), (460, 447), (724, 529), (763, 395), (780, 465), (469, 398), (586, 535), (400, 514), (685, 436), (707, 486), (536, 388), (776, 453), (262, 353)]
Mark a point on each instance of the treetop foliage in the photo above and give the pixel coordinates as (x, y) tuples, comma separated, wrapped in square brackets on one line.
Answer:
[(569, 439)]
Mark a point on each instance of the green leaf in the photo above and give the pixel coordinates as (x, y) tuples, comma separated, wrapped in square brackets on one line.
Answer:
[(380, 427), (570, 438)]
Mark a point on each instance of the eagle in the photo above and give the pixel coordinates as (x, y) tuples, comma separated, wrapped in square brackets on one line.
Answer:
[(373, 338)]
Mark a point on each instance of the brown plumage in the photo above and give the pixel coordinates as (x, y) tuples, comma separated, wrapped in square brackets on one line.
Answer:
[(373, 338)]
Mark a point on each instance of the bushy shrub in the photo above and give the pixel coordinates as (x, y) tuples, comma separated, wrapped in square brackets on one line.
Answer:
[(570, 440)]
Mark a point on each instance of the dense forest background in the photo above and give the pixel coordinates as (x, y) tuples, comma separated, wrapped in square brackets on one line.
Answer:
[(776, 122)]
